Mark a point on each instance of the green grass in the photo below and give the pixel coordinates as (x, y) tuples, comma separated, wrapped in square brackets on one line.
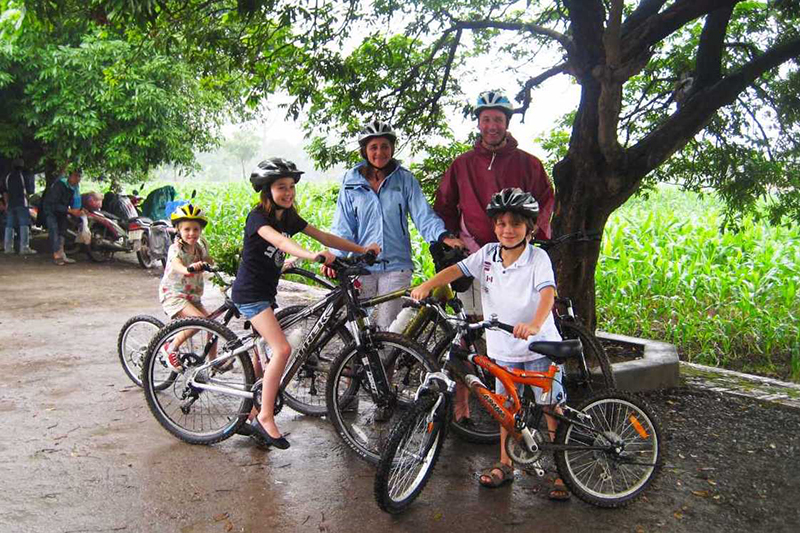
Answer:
[(666, 272)]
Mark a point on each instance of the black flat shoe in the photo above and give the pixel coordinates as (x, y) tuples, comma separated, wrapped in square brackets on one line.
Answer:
[(281, 443)]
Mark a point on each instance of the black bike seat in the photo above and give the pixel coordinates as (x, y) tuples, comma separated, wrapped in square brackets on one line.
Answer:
[(558, 352)]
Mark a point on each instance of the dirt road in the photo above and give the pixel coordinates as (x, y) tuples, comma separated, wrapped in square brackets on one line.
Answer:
[(79, 450)]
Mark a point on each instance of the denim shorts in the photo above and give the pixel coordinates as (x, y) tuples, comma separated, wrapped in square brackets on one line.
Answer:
[(249, 310), (557, 393)]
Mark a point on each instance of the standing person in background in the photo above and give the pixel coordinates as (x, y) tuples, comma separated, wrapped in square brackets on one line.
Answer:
[(376, 198), (17, 187), (62, 198)]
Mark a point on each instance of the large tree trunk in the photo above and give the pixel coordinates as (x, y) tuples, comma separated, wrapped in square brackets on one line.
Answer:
[(576, 260)]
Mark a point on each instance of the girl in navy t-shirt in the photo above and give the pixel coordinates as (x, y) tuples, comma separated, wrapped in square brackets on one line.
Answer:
[(267, 240)]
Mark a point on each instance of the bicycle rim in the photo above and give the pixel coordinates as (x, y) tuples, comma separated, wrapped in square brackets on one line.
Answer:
[(410, 456), (604, 477), (193, 415), (134, 337), (351, 407), (305, 390)]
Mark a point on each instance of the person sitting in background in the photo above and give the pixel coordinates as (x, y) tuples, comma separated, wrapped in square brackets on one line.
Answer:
[(62, 198)]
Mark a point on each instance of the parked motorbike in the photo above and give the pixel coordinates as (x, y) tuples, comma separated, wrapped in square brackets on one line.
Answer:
[(121, 208)]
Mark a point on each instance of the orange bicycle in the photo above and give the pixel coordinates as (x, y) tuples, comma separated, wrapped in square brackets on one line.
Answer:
[(608, 450)]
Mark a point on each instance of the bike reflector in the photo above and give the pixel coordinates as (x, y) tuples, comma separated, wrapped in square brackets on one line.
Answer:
[(638, 427)]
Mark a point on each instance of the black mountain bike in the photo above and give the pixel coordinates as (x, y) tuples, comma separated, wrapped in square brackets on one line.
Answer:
[(211, 399)]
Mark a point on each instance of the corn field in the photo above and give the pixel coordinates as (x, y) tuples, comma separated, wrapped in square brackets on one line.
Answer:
[(666, 272)]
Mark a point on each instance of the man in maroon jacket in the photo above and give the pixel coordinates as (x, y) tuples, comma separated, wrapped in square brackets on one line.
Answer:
[(495, 163)]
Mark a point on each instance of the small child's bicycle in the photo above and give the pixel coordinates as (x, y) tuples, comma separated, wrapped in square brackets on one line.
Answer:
[(608, 450)]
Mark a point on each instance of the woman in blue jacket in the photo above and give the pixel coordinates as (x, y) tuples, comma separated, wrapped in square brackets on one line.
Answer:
[(376, 198)]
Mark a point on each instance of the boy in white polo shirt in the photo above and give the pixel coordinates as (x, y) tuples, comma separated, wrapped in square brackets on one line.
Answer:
[(517, 285)]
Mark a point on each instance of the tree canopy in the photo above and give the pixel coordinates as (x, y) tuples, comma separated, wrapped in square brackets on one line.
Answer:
[(113, 104), (703, 92)]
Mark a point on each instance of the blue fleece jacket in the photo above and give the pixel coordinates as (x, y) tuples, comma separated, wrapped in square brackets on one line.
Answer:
[(364, 216)]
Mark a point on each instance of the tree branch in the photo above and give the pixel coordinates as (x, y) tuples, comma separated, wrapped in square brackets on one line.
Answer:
[(535, 29), (709, 50), (683, 125), (524, 94), (610, 101), (640, 38)]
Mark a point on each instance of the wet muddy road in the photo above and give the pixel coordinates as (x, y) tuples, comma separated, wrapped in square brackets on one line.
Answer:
[(80, 451)]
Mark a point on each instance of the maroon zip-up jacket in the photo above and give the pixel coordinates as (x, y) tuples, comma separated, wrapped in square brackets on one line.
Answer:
[(472, 179)]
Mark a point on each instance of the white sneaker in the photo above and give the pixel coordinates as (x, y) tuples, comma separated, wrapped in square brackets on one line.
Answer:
[(28, 251), (67, 260)]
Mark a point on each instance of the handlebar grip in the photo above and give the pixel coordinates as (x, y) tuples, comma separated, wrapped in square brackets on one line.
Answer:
[(504, 327), (370, 257), (319, 259)]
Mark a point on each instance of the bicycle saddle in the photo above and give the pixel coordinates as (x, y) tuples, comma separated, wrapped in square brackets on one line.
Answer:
[(557, 351)]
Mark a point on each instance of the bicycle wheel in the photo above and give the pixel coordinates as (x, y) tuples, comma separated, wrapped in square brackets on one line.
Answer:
[(362, 424), (433, 332), (579, 383), (480, 427), (194, 415), (410, 455), (614, 477), (132, 343), (305, 390)]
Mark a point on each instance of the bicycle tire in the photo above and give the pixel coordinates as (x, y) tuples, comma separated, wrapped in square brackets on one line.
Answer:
[(216, 416), (410, 456), (351, 408), (601, 375), (132, 342), (305, 390), (608, 478), (480, 427)]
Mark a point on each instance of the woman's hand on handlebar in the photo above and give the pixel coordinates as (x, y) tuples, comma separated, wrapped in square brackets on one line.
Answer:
[(454, 242), (197, 266)]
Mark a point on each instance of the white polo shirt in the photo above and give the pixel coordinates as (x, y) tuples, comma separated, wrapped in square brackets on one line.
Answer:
[(512, 293)]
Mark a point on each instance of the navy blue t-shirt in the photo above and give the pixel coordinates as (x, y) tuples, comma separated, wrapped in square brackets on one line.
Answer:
[(260, 268)]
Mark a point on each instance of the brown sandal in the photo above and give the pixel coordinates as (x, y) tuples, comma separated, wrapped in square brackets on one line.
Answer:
[(559, 491), (494, 479)]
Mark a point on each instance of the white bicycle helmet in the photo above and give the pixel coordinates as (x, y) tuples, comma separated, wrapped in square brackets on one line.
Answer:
[(376, 128), (493, 100)]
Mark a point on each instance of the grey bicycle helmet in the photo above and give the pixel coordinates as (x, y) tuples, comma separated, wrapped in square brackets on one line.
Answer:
[(269, 170), (514, 200), (493, 100), (376, 128)]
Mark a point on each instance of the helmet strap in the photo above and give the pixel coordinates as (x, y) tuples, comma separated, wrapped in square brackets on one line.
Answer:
[(523, 242)]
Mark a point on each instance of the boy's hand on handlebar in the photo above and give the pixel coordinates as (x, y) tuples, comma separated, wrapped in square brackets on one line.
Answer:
[(419, 292), (523, 330)]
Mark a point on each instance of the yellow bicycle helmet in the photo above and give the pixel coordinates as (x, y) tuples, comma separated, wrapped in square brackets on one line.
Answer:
[(189, 212)]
